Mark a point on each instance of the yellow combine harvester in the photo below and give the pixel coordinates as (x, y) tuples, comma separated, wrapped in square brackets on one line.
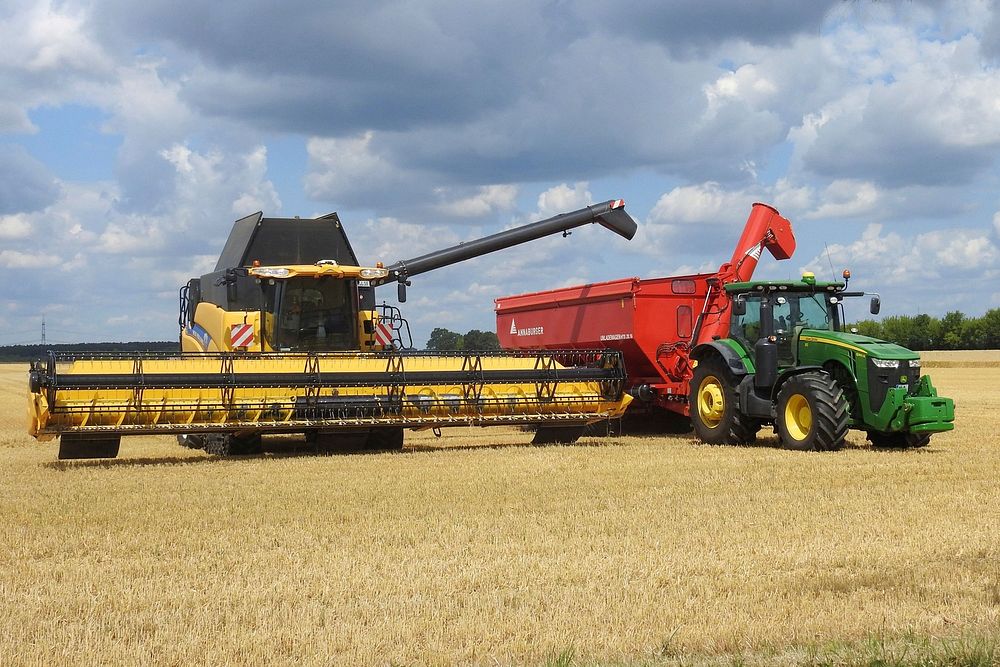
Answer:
[(285, 337)]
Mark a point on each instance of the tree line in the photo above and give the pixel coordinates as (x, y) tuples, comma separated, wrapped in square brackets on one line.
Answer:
[(443, 340), (954, 331), (37, 351)]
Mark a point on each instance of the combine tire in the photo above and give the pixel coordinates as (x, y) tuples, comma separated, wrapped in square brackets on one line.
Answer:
[(714, 407), (193, 441), (813, 414), (385, 438), (898, 440), (557, 435), (228, 444)]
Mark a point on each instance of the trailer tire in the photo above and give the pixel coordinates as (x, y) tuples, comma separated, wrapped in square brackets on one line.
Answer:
[(898, 440), (812, 413), (714, 407)]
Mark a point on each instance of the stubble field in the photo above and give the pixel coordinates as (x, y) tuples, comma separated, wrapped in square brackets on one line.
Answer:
[(479, 548)]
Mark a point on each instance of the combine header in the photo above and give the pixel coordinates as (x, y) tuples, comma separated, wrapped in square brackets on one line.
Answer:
[(285, 337)]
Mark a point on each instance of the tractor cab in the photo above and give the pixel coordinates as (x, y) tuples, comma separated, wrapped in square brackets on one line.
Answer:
[(779, 312)]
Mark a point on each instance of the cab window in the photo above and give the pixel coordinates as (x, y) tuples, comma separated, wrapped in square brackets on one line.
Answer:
[(746, 327)]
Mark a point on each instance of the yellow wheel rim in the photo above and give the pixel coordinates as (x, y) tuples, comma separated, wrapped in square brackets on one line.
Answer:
[(798, 417), (711, 401)]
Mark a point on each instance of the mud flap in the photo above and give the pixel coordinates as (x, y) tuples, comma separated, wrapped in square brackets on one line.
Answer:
[(74, 446)]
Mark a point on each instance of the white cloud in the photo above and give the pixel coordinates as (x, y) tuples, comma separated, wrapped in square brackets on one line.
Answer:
[(996, 222), (846, 199), (487, 199), (562, 198), (15, 226), (15, 259), (888, 258), (747, 84)]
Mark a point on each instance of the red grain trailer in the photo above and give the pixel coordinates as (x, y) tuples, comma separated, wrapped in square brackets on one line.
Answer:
[(654, 322)]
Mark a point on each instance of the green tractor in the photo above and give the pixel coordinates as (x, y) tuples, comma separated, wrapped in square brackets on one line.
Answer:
[(788, 362)]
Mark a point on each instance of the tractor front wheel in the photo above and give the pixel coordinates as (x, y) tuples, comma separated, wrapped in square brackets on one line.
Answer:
[(812, 413), (714, 407), (898, 440)]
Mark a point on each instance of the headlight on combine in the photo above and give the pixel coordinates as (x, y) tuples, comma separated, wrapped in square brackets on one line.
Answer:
[(270, 272), (368, 274), (885, 363), (914, 363)]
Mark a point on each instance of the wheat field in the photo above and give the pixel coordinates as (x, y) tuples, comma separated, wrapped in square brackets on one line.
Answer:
[(477, 548)]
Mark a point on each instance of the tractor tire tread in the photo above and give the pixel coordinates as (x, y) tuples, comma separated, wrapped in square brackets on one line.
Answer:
[(831, 412)]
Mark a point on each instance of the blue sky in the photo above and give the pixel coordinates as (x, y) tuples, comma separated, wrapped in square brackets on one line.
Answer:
[(133, 134)]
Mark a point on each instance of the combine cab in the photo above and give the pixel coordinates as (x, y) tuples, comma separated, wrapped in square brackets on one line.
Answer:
[(285, 337)]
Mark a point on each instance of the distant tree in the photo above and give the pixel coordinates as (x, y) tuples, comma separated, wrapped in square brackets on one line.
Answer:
[(991, 329), (480, 340), (950, 337), (869, 328), (443, 340)]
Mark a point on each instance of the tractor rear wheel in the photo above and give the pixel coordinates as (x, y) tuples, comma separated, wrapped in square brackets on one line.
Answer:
[(898, 440), (714, 407), (812, 413)]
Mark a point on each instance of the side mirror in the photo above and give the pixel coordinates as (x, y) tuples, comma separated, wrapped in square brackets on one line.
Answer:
[(876, 305), (231, 292), (401, 291), (739, 307)]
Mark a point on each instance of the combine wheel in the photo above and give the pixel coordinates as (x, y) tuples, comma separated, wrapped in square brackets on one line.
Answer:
[(385, 438), (812, 414), (714, 406), (229, 444), (192, 441), (557, 435), (898, 440)]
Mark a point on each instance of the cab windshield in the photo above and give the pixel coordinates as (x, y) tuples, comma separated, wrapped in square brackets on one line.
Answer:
[(310, 314), (801, 311)]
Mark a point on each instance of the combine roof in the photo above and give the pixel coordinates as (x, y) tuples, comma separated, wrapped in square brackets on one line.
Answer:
[(286, 241)]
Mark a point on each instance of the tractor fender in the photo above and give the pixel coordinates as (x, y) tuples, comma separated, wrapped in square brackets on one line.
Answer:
[(790, 373), (733, 360)]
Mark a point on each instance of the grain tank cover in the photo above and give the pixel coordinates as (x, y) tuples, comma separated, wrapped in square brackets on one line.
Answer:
[(286, 241)]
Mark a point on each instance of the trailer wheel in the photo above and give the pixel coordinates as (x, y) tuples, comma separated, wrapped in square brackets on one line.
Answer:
[(812, 413), (714, 407), (385, 438), (898, 440)]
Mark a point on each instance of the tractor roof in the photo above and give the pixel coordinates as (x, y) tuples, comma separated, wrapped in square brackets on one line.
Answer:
[(785, 285)]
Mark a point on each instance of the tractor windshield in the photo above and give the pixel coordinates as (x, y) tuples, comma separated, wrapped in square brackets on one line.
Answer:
[(802, 311), (310, 314)]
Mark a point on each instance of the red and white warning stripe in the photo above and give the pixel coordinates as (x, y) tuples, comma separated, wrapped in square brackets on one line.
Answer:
[(383, 334), (241, 335), (617, 203)]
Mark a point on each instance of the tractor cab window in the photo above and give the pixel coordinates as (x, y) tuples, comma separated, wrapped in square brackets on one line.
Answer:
[(794, 312), (311, 314), (746, 327)]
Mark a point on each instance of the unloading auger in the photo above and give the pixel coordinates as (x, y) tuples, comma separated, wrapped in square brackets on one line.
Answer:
[(285, 337)]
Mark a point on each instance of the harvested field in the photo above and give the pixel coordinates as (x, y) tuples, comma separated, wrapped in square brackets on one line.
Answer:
[(479, 548)]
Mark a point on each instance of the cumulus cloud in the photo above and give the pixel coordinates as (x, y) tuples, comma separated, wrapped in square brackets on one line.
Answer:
[(930, 118), (888, 258), (25, 183), (486, 200)]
